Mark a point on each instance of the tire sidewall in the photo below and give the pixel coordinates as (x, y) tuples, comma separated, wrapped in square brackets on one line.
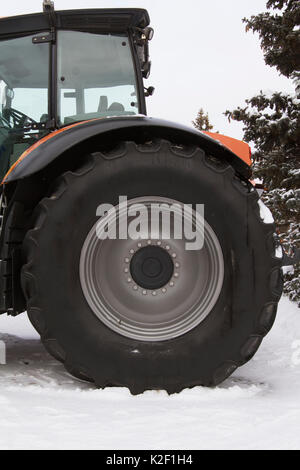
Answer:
[(193, 357)]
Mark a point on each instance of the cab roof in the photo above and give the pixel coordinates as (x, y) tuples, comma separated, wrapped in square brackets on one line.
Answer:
[(115, 20)]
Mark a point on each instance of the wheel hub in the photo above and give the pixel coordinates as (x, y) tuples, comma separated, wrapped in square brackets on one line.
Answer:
[(151, 267)]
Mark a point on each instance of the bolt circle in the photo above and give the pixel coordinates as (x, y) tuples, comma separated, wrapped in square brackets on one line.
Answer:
[(132, 253)]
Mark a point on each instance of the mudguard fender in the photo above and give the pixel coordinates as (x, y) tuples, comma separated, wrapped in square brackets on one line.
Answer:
[(53, 145)]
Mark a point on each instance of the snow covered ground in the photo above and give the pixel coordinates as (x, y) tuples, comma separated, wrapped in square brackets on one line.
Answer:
[(42, 407)]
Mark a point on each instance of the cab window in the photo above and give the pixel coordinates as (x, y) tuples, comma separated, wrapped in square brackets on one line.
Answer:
[(96, 76)]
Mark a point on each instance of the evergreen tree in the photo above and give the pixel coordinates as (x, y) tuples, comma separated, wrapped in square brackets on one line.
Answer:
[(202, 122), (272, 124), (279, 36)]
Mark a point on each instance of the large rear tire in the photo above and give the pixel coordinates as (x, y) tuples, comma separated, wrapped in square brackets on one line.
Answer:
[(100, 327)]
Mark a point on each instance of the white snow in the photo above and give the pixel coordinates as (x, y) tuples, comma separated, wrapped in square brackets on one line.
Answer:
[(288, 269), (265, 213), (42, 407)]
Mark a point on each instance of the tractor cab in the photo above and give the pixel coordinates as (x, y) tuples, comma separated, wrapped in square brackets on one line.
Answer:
[(62, 67)]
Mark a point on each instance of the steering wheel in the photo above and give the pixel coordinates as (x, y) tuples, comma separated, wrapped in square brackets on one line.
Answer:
[(19, 119)]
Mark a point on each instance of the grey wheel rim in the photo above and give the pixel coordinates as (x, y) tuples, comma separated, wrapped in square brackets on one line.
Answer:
[(150, 314)]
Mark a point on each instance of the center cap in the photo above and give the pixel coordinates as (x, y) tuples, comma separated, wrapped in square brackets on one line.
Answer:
[(151, 267)]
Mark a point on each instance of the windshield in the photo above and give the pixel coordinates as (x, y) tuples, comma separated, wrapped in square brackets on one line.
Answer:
[(96, 76), (24, 78)]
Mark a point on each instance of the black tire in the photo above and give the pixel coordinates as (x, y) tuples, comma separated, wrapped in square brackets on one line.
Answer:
[(208, 354)]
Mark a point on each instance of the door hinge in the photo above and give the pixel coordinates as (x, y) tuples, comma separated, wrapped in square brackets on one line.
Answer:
[(50, 37)]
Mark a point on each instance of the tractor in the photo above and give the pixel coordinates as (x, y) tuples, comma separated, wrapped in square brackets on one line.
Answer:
[(141, 311)]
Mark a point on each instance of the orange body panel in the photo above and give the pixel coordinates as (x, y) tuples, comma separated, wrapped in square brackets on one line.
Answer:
[(240, 148)]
